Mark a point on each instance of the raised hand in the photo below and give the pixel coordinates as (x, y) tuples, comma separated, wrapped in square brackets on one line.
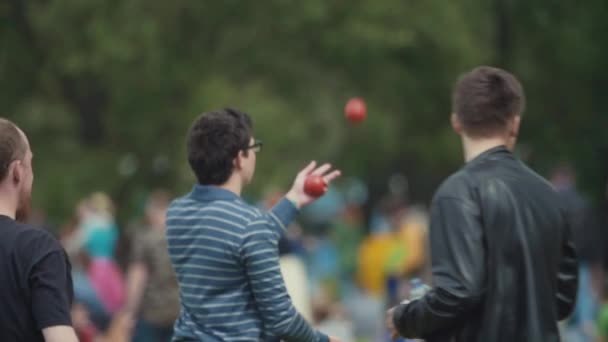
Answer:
[(297, 195)]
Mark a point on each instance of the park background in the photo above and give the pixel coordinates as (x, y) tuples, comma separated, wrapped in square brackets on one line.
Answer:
[(106, 91)]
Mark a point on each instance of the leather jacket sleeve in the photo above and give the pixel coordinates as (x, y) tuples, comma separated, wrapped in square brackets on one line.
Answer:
[(458, 267), (567, 277)]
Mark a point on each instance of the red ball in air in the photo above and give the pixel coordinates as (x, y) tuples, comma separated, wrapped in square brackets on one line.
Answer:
[(355, 110)]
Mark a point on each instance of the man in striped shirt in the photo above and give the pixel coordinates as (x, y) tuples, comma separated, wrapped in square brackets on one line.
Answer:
[(224, 251)]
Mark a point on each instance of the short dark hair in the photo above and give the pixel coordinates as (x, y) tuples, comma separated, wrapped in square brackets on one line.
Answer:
[(485, 98), (12, 146), (214, 140)]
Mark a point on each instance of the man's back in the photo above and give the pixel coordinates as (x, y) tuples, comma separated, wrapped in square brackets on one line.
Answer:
[(509, 255), (503, 262), (225, 255), (212, 281), (35, 282)]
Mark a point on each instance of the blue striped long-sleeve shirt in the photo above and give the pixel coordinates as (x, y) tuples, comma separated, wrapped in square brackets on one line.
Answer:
[(225, 255)]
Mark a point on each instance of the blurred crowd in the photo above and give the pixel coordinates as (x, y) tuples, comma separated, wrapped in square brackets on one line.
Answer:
[(345, 261), (124, 287)]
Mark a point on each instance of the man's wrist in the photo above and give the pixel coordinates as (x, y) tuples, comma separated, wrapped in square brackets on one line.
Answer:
[(284, 213), (293, 198)]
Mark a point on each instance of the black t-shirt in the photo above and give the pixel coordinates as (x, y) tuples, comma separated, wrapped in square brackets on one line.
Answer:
[(35, 282)]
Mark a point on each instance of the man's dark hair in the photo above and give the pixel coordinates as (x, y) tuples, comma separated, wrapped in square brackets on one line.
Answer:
[(12, 146), (485, 98), (214, 140)]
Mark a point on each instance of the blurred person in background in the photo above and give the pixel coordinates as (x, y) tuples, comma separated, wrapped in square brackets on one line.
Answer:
[(99, 282), (413, 230), (319, 306), (408, 254), (381, 253), (347, 234), (225, 251), (100, 239), (503, 261), (153, 294), (291, 256), (322, 264), (331, 317), (86, 298), (602, 319), (590, 246), (395, 252), (603, 214), (386, 257), (35, 282)]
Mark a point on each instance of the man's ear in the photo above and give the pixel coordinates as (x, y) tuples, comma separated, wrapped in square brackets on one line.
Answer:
[(238, 161), (456, 124), (15, 171), (514, 126)]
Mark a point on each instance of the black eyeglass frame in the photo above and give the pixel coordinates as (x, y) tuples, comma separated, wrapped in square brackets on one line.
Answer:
[(256, 146)]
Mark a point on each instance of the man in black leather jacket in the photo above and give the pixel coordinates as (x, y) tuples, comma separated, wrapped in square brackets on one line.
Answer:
[(503, 262)]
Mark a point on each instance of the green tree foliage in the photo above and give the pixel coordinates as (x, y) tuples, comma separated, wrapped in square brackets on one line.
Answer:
[(107, 89)]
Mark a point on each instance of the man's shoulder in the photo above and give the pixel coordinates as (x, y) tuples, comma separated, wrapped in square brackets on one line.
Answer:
[(29, 233), (513, 173), (536, 177), (236, 210), (479, 183), (33, 242), (456, 185), (182, 201)]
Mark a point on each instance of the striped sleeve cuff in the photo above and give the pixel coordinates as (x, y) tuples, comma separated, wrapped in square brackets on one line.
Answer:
[(284, 213)]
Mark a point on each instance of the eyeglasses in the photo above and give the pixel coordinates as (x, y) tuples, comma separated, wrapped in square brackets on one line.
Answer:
[(256, 146)]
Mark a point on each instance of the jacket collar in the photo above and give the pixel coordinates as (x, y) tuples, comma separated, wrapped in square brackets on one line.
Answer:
[(491, 154), (211, 193)]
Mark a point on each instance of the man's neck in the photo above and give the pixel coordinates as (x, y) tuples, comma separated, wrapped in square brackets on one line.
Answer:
[(475, 147), (7, 208), (233, 185)]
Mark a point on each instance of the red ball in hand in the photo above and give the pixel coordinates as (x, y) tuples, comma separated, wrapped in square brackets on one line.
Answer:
[(355, 110), (315, 186)]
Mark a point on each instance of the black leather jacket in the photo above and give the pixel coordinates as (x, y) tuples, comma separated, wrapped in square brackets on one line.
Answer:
[(503, 262)]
